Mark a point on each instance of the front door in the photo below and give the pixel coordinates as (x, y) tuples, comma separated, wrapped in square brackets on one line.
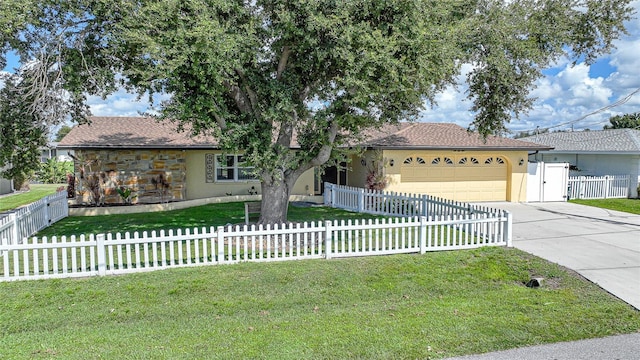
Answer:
[(332, 175)]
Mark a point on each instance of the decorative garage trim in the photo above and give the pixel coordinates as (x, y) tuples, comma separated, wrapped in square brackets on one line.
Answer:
[(440, 167), (494, 161), (410, 161), (468, 161)]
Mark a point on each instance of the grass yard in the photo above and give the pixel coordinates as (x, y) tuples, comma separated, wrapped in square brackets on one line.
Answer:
[(626, 205), (403, 307), (37, 192), (199, 216)]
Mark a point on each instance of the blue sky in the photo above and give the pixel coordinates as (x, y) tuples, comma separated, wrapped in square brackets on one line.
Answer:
[(564, 96)]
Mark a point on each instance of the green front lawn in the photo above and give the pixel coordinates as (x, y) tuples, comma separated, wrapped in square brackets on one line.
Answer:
[(402, 307), (626, 205), (199, 216), (37, 192)]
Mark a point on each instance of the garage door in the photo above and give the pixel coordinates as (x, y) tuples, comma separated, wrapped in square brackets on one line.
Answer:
[(462, 178)]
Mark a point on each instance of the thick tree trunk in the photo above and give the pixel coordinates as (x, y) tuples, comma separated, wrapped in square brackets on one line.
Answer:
[(275, 200)]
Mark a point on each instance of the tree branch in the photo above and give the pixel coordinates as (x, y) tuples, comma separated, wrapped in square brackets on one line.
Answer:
[(222, 123), (323, 154), (285, 134), (242, 101), (282, 64)]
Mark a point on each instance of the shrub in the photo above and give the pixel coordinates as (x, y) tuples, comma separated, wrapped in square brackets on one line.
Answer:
[(53, 171), (71, 186)]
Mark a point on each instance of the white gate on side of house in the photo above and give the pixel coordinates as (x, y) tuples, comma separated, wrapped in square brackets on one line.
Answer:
[(547, 182)]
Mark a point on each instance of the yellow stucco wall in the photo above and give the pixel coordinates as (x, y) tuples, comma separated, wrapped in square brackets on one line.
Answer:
[(198, 187), (501, 181)]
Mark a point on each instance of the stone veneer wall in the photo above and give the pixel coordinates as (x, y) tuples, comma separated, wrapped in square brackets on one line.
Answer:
[(133, 169)]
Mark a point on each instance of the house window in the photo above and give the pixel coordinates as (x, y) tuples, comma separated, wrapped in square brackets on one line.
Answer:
[(233, 168)]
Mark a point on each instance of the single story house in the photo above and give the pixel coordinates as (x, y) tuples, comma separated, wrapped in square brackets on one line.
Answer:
[(51, 151), (159, 163), (594, 152)]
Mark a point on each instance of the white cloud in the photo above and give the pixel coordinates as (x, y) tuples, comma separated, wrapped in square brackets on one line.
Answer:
[(122, 103), (546, 89)]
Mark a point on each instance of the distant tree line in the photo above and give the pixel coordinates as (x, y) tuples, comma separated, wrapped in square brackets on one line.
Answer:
[(625, 121)]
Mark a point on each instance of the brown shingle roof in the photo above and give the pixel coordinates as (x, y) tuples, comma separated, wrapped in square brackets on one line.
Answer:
[(144, 132), (132, 132), (441, 136)]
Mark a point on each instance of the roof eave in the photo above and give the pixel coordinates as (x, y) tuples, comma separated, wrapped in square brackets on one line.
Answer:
[(458, 148), (594, 152)]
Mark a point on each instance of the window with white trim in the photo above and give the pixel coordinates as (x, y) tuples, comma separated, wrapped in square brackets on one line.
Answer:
[(233, 168)]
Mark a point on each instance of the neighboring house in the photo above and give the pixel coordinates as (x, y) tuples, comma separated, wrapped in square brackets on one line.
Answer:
[(594, 153), (439, 159), (51, 151)]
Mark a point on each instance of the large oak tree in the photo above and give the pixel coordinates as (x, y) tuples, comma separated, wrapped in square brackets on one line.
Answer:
[(262, 74)]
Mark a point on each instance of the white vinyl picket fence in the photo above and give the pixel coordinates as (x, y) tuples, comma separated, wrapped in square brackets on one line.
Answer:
[(398, 204), (105, 254), (599, 187), (32, 218)]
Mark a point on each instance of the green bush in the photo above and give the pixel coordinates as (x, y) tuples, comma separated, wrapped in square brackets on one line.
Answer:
[(53, 171)]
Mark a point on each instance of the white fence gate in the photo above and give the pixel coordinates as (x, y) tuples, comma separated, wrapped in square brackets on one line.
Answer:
[(547, 182), (32, 218), (398, 204), (599, 187)]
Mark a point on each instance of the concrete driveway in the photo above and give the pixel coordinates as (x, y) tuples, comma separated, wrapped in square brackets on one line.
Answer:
[(601, 245)]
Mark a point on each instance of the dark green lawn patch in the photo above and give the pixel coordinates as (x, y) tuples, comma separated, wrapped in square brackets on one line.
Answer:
[(404, 307), (626, 205), (199, 216), (37, 192)]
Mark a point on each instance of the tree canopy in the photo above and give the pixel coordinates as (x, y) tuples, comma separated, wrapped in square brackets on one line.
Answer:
[(21, 135), (62, 132), (259, 74), (625, 121)]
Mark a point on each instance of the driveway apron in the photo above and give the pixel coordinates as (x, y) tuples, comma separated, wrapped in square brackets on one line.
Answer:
[(601, 245)]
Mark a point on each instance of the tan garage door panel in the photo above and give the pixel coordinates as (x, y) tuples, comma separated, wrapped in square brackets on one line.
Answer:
[(484, 179)]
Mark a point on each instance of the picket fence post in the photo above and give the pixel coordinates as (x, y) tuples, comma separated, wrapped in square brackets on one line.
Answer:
[(328, 239), (423, 234), (13, 218), (327, 194), (509, 229), (47, 216), (361, 200), (220, 236), (102, 255)]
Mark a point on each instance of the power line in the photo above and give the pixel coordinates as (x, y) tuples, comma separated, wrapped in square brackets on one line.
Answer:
[(598, 111)]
